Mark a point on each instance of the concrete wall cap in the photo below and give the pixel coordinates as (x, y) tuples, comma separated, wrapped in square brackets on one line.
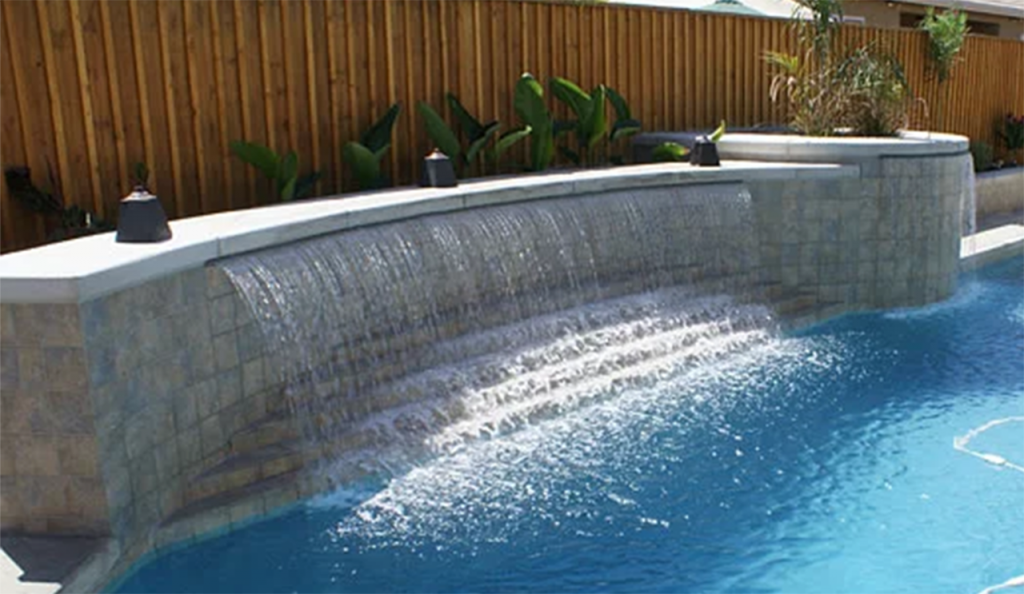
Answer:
[(83, 269)]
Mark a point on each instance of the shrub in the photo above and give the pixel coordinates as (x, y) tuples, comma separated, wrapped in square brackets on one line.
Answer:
[(877, 93), (865, 91), (946, 32), (1012, 133), (981, 153)]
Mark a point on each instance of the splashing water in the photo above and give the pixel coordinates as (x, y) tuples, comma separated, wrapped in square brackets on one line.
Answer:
[(969, 200), (403, 341)]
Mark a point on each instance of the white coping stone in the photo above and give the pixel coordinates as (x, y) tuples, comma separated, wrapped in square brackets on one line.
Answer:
[(992, 245), (793, 147), (78, 270)]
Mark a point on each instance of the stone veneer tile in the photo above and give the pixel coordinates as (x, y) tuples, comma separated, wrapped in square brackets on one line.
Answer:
[(211, 435), (22, 412), (168, 465), (78, 456), (217, 283), (222, 314), (190, 451), (229, 388), (71, 412), (36, 455), (252, 377), (250, 342), (138, 436), (48, 325), (225, 350), (207, 398), (144, 477)]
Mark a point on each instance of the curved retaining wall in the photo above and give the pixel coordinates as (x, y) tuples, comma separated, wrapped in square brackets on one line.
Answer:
[(1000, 192), (134, 379), (887, 237)]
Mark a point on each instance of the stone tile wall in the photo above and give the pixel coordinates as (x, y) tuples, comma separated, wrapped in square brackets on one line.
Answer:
[(136, 407), (50, 478), (887, 239), (113, 409)]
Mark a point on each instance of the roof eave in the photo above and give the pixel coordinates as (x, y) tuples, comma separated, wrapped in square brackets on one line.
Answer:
[(971, 6)]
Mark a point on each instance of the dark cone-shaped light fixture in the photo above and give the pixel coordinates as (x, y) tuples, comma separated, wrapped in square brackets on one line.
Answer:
[(704, 153), (438, 171), (142, 219)]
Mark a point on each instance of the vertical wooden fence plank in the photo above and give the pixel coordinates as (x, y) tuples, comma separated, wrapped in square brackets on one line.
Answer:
[(91, 88)]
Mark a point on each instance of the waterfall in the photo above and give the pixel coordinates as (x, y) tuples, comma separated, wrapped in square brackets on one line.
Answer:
[(410, 338), (968, 202)]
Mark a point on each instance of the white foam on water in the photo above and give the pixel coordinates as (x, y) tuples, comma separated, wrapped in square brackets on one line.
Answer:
[(483, 490), (965, 296)]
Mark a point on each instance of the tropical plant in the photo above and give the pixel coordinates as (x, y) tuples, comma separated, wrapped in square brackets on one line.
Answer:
[(876, 91), (283, 170), (590, 124), (863, 91), (816, 104), (946, 34), (718, 133), (62, 222), (477, 135), (530, 107), (365, 155), (818, 32), (625, 124), (669, 152)]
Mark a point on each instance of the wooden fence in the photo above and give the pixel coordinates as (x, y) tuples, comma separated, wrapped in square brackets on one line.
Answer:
[(89, 88)]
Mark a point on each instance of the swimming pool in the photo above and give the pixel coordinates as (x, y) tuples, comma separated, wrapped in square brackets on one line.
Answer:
[(823, 461)]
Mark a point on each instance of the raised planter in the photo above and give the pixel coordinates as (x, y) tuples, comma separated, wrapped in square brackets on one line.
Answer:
[(1000, 191)]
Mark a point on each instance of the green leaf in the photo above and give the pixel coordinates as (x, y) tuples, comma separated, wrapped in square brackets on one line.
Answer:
[(624, 128), (288, 191), (365, 164), (379, 155), (443, 136), (529, 102), (570, 154), (572, 95), (510, 138), (305, 184), (479, 144), (595, 123), (563, 126), (669, 152), (718, 133), (789, 64), (287, 168), (619, 104), (257, 155), (542, 149), (380, 133), (471, 127)]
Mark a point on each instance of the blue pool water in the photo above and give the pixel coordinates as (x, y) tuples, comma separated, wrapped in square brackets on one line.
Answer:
[(818, 462)]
